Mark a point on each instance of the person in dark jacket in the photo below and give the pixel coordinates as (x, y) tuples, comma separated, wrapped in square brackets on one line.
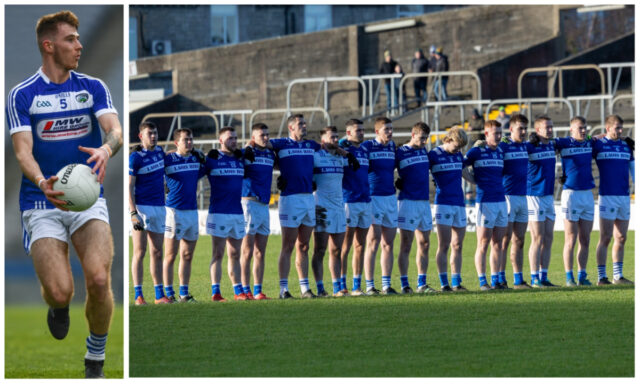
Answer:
[(388, 67), (420, 64)]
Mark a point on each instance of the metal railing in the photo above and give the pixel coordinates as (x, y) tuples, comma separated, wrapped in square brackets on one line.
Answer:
[(373, 101), (557, 71), (612, 87), (231, 113), (325, 86), (588, 99), (177, 117), (438, 105), (438, 76), (531, 101), (287, 112)]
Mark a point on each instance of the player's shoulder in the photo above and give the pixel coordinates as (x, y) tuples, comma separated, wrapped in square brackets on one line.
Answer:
[(84, 78), (27, 87)]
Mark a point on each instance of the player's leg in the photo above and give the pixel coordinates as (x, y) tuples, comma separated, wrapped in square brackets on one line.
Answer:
[(248, 244), (359, 244), (388, 234), (289, 236), (373, 241), (139, 239), (505, 247), (495, 256), (517, 254), (620, 228), (320, 240), (422, 259), (545, 253), (233, 267), (483, 238), (606, 234), (215, 266), (171, 246), (259, 252), (406, 241), (155, 240), (570, 236), (346, 248), (187, 249), (443, 233), (584, 239), (335, 264), (302, 259), (457, 237)]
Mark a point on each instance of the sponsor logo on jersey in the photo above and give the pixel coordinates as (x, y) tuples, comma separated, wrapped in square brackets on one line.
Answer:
[(64, 128)]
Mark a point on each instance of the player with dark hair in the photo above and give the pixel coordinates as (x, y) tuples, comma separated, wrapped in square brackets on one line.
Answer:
[(54, 118)]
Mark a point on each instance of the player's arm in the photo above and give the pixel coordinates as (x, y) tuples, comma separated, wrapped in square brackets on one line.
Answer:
[(112, 143), (23, 147), (136, 220), (467, 173)]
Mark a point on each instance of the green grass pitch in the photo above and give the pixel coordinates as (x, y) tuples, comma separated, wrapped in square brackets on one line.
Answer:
[(575, 332)]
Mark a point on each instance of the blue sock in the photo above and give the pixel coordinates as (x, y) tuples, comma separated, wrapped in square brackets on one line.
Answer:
[(582, 275), (284, 285), (320, 286), (336, 286), (159, 291), (257, 289), (456, 280), (138, 291), (495, 279), (482, 279), (569, 276), (343, 282), (502, 275), (246, 289), (422, 280), (184, 290), (95, 346), (169, 290), (517, 278), (617, 270), (304, 285), (370, 284), (543, 274), (237, 289), (602, 272), (357, 280), (404, 281), (444, 279), (386, 281), (215, 288), (534, 277)]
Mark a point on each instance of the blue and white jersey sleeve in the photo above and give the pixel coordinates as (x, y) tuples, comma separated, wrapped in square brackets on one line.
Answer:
[(225, 176), (613, 158), (541, 172), (413, 168), (514, 173), (355, 184), (328, 170), (182, 175), (258, 175), (148, 169), (295, 159), (446, 169), (576, 163), (382, 164), (487, 166)]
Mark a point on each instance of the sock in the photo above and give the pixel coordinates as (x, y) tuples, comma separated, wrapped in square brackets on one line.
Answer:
[(495, 279), (95, 346), (357, 280), (370, 284), (343, 282), (570, 276), (617, 270), (159, 291), (284, 285), (138, 291), (215, 288), (169, 290), (257, 289), (444, 279), (482, 279), (404, 281), (246, 289), (602, 272), (543, 274), (582, 275), (237, 289), (517, 278), (304, 285), (534, 277), (336, 286), (502, 277), (386, 281), (456, 280), (320, 285), (184, 290), (422, 280)]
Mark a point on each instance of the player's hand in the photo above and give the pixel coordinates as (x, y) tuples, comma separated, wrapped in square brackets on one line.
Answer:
[(534, 138), (399, 183), (199, 155), (321, 215), (249, 154), (281, 183), (136, 221), (480, 143), (137, 148), (214, 154), (631, 143), (47, 188), (353, 161), (100, 157), (237, 153)]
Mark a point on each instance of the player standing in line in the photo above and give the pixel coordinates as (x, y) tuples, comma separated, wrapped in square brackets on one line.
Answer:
[(256, 193), (146, 206), (613, 157), (183, 169), (541, 176), (451, 218), (577, 198), (331, 222), (357, 204), (225, 221), (414, 211), (487, 162), (384, 205), (54, 118), (514, 181)]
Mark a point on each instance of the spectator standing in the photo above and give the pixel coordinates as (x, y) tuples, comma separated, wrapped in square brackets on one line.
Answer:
[(388, 67), (441, 64), (420, 64)]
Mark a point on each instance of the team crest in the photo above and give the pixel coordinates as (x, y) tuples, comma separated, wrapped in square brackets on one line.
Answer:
[(82, 97)]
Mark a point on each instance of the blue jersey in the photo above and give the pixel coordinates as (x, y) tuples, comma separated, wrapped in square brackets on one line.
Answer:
[(355, 184), (182, 174), (446, 169), (541, 173), (612, 158), (60, 117), (295, 159), (487, 166), (413, 168), (258, 175), (225, 176), (576, 163), (514, 173), (148, 169), (382, 162)]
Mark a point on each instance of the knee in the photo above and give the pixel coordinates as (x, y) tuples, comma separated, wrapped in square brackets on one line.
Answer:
[(620, 239), (303, 247), (518, 242), (98, 284), (186, 256), (456, 247), (60, 295)]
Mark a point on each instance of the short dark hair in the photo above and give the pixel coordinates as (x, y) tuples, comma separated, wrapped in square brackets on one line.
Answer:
[(613, 119), (259, 127), (380, 121), (225, 129), (177, 132), (519, 118), (293, 118), (540, 119), (420, 127), (578, 118), (329, 128), (352, 122), (47, 25), (147, 124)]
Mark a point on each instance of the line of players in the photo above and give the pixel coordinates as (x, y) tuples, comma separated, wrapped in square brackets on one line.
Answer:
[(345, 194)]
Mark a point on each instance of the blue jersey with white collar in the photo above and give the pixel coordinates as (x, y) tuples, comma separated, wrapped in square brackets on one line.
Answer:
[(182, 175), (413, 168), (382, 162), (355, 184), (576, 163), (514, 173), (613, 158), (148, 169), (446, 169), (60, 117), (295, 159), (225, 176), (258, 175), (487, 166), (541, 173)]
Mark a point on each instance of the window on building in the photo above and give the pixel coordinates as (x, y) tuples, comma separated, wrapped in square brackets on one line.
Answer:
[(317, 17), (133, 38), (224, 24), (406, 10)]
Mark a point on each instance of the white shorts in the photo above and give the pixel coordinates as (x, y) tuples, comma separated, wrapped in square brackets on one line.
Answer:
[(614, 207), (181, 224), (358, 215), (57, 224), (256, 217), (225, 225), (296, 210), (491, 215), (414, 214), (577, 205), (335, 222), (451, 215), (541, 208), (153, 217), (384, 210), (517, 209)]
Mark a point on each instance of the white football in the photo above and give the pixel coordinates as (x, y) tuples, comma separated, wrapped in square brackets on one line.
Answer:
[(80, 186)]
